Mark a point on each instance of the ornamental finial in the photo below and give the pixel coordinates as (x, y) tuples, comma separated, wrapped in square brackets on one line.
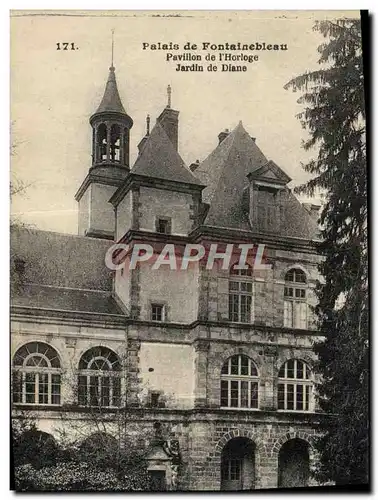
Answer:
[(169, 92)]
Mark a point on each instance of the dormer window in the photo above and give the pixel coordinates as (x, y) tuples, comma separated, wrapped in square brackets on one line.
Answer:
[(163, 225)]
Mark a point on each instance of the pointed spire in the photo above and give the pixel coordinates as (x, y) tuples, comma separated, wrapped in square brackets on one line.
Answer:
[(111, 101), (112, 65), (169, 93), (148, 125)]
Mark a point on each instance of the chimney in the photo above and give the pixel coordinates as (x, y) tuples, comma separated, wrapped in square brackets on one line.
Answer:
[(222, 136), (168, 119), (144, 139), (194, 166)]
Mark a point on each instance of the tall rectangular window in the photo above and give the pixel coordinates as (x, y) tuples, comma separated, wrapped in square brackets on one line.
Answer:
[(295, 299), (240, 301), (157, 312)]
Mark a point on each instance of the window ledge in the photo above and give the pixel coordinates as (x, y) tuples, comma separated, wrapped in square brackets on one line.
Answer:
[(238, 409), (296, 411)]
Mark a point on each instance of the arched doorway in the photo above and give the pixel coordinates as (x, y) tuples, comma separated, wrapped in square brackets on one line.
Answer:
[(293, 464), (238, 465)]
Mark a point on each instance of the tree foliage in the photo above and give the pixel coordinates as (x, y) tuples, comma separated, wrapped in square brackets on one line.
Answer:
[(43, 464), (334, 116)]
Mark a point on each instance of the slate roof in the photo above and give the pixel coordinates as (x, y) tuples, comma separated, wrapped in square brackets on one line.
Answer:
[(63, 272), (60, 299), (225, 171), (160, 159), (111, 101)]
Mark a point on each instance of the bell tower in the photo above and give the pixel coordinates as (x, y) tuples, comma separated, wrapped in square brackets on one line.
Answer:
[(110, 162), (111, 130)]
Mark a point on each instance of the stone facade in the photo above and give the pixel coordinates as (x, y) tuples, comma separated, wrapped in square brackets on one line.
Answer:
[(171, 368)]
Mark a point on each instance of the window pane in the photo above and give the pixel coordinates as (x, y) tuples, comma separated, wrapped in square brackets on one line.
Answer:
[(299, 370), (288, 291), (244, 394), (288, 314), (224, 393), (254, 395), (290, 368), (55, 389), (235, 365), (299, 276), (225, 368), (299, 397), (253, 370), (302, 314), (37, 361), (82, 390), (30, 388), (43, 388), (308, 395), (290, 396), (244, 365), (105, 391), (234, 393), (235, 469), (234, 307), (116, 391), (233, 285), (245, 308), (17, 387), (157, 312), (246, 287), (290, 275), (281, 396), (94, 391)]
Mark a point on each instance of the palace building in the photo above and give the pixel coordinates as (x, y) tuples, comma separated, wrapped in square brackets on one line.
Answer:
[(215, 364)]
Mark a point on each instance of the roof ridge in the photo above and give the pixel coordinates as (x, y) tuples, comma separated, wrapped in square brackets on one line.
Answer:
[(227, 156)]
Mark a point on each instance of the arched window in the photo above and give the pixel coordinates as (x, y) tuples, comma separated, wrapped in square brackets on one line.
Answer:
[(115, 141), (239, 383), (295, 386), (240, 295), (102, 140), (99, 381), (36, 375), (295, 299)]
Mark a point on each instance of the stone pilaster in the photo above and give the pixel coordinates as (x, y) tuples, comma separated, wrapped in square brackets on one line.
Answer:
[(270, 356), (133, 380), (201, 348)]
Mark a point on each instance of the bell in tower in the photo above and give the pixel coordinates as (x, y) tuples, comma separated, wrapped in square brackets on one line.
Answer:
[(110, 162), (111, 129)]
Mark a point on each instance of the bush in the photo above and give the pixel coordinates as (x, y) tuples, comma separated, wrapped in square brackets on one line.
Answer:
[(74, 476)]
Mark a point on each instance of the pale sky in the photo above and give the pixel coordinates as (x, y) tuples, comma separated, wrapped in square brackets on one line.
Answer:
[(53, 93)]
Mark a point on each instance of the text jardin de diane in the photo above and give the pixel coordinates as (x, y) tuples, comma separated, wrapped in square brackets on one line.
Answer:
[(226, 53)]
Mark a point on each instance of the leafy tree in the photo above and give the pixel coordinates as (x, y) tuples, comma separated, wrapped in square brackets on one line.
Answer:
[(334, 116)]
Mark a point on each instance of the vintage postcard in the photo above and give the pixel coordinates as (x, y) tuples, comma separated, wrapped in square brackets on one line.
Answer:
[(189, 298)]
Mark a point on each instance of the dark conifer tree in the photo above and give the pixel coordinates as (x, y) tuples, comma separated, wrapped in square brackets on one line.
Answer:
[(334, 116)]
